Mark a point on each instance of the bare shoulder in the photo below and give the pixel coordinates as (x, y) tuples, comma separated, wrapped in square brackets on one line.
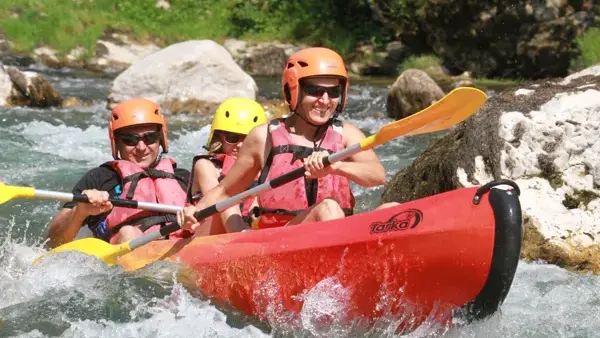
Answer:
[(258, 134), (351, 133), (203, 166), (255, 144)]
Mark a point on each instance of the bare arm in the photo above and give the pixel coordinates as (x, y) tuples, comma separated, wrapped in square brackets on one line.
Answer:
[(206, 177), (363, 168), (65, 226), (244, 170)]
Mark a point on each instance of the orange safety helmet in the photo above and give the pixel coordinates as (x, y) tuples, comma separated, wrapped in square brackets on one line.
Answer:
[(315, 61), (135, 112)]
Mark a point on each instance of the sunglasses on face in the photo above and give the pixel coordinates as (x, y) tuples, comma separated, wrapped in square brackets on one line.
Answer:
[(318, 91), (232, 138), (133, 139)]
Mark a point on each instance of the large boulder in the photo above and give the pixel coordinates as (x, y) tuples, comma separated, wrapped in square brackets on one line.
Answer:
[(191, 76), (412, 91), (26, 88), (544, 136)]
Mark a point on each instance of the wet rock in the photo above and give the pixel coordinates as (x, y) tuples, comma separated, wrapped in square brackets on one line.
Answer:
[(118, 51), (6, 87), (397, 51), (201, 107), (266, 61), (261, 59), (76, 57), (72, 101), (412, 91), (47, 56), (17, 60), (32, 89), (546, 137)]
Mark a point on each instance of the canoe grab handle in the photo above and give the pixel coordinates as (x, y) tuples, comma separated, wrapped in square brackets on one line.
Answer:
[(486, 187)]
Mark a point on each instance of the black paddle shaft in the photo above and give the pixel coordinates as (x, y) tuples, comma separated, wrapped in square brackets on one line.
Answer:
[(115, 202)]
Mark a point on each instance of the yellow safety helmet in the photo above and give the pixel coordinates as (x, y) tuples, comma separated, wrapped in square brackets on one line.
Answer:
[(237, 115)]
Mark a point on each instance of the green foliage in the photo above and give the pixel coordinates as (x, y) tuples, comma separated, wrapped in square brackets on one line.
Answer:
[(589, 48), (420, 62), (338, 24), (64, 25)]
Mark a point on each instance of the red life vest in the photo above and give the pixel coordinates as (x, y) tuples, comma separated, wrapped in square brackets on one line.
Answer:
[(280, 205), (154, 185), (223, 163)]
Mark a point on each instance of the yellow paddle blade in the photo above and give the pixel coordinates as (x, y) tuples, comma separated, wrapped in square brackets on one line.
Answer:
[(94, 247), (8, 192), (453, 108)]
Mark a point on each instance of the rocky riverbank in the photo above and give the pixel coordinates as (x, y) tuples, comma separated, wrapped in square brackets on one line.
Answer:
[(546, 137)]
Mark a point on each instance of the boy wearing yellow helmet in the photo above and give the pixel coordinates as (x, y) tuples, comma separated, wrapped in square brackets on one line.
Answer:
[(233, 120)]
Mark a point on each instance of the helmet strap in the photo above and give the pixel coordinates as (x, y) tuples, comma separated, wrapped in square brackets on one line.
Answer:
[(158, 158), (307, 122), (326, 125)]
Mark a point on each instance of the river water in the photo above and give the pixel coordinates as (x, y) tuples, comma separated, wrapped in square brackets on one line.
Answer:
[(80, 297)]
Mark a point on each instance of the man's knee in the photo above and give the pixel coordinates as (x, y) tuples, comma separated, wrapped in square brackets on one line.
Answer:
[(330, 208), (128, 233)]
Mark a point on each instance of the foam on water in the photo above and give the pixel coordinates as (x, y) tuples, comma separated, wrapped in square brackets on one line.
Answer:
[(188, 144), (547, 301), (69, 143), (59, 290)]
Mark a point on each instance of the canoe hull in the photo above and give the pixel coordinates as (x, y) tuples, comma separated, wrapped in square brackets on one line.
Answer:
[(436, 254)]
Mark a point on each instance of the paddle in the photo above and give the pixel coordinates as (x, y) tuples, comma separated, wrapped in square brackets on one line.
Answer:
[(9, 192), (453, 108)]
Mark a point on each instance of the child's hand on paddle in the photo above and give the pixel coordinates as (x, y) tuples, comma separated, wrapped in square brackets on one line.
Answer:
[(186, 219)]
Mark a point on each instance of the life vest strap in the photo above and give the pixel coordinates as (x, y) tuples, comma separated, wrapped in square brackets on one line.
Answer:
[(146, 222), (135, 178)]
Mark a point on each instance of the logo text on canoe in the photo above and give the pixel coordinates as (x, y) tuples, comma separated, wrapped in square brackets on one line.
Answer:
[(405, 220)]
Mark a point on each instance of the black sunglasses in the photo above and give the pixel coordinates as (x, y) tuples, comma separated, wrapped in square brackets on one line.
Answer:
[(232, 138), (133, 139), (318, 91)]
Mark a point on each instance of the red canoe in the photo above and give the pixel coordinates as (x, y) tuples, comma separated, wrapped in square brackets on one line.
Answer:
[(453, 251)]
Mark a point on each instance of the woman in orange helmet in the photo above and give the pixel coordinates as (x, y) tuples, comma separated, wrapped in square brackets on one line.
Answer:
[(137, 131), (315, 88)]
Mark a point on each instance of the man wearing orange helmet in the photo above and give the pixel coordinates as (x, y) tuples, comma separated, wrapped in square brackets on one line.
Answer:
[(315, 88), (137, 131)]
